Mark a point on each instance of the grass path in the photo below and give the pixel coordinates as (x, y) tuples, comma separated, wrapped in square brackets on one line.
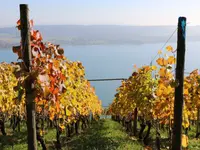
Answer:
[(103, 135)]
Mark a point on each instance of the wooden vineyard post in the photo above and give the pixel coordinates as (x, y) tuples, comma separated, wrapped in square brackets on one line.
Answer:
[(26, 50), (135, 122), (178, 102)]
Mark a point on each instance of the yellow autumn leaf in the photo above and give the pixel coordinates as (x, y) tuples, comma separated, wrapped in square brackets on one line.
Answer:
[(74, 102), (62, 126), (169, 48), (162, 72), (160, 89), (159, 92), (171, 60), (41, 132), (184, 141), (169, 75), (68, 112), (185, 122), (46, 91), (51, 117), (186, 92), (153, 67), (168, 90), (161, 62)]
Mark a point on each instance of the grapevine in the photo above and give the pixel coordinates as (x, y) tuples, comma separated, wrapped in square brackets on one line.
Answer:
[(61, 94)]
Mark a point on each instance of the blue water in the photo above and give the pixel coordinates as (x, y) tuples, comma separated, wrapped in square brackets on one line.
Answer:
[(115, 61)]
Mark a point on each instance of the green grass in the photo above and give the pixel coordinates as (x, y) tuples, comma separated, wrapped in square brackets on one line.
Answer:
[(194, 144), (103, 135)]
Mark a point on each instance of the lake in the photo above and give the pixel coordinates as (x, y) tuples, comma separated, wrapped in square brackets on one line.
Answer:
[(115, 61)]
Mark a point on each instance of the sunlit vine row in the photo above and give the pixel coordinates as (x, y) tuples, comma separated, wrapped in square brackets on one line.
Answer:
[(11, 101), (61, 90), (151, 90)]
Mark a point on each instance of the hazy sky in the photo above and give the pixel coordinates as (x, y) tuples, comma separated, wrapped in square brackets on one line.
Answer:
[(119, 12)]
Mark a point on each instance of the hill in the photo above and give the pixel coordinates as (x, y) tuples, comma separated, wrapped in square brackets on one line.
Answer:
[(99, 34)]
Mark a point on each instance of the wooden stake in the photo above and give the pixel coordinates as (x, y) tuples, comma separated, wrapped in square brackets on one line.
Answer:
[(178, 102), (135, 122), (30, 105)]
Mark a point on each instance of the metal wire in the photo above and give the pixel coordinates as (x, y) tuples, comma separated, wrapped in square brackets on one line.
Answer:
[(164, 45), (111, 79)]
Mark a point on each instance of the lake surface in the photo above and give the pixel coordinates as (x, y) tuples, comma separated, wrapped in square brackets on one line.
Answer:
[(115, 61)]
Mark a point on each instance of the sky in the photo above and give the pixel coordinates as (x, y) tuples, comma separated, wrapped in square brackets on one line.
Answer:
[(102, 12)]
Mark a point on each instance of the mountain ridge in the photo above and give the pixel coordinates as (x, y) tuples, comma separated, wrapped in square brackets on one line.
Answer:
[(99, 34)]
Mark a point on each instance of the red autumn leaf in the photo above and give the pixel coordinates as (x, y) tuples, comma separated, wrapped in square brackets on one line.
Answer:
[(18, 51), (51, 89), (36, 35), (50, 65), (55, 91), (134, 74), (52, 79), (35, 51), (62, 77), (59, 56), (18, 24), (36, 99), (42, 46)]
